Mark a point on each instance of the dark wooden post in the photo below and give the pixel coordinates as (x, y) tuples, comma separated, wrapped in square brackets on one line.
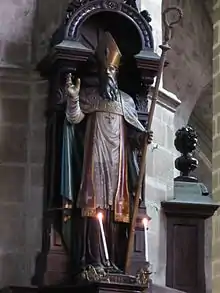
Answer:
[(186, 215)]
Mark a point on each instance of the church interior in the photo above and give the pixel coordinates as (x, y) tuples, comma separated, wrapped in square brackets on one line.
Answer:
[(87, 86)]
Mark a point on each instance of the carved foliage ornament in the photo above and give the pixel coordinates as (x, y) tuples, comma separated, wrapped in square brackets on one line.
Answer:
[(186, 142), (80, 10)]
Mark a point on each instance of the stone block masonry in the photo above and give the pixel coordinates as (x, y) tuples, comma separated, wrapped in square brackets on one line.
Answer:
[(159, 180), (22, 134), (216, 145), (22, 149)]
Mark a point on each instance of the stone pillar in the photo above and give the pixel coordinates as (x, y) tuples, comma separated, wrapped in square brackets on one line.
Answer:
[(22, 148), (216, 145), (159, 181), (46, 24), (22, 145), (25, 31), (160, 160)]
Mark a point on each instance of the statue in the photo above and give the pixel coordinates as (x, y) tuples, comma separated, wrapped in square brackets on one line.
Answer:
[(185, 142), (99, 170)]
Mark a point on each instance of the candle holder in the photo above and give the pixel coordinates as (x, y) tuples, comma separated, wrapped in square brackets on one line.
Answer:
[(143, 275), (110, 274), (91, 275)]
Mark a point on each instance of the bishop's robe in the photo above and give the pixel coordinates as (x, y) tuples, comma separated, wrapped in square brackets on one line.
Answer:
[(107, 154)]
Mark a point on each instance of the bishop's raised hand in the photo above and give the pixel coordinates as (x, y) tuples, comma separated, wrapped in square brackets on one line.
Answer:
[(72, 90)]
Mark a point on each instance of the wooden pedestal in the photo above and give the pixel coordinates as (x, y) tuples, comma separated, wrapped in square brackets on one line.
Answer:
[(52, 265), (95, 288), (186, 240)]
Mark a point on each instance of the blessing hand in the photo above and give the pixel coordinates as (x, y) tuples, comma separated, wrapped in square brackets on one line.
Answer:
[(149, 136), (71, 89), (146, 136)]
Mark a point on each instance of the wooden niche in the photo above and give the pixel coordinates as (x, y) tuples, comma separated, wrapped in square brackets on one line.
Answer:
[(71, 46)]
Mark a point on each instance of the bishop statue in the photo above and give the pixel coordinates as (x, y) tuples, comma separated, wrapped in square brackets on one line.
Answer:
[(99, 171)]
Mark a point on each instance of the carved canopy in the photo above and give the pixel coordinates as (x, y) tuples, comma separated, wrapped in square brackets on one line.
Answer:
[(87, 9), (76, 38)]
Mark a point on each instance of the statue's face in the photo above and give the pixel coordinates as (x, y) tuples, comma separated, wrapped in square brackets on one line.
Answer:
[(101, 77), (108, 84), (112, 71)]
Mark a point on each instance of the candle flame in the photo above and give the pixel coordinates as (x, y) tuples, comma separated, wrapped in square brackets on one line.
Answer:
[(100, 216), (145, 222)]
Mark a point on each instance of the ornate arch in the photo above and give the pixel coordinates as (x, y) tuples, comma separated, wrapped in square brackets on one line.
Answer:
[(97, 6)]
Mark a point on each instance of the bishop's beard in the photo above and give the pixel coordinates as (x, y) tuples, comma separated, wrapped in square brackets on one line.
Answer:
[(109, 88)]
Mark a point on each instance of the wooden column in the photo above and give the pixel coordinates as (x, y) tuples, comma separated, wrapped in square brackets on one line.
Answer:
[(186, 215), (185, 244)]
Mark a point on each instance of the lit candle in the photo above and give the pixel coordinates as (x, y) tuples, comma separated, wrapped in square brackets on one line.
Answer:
[(145, 222), (100, 217)]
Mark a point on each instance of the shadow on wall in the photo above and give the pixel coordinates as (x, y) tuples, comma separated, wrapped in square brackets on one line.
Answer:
[(45, 25), (15, 32), (190, 60), (201, 121)]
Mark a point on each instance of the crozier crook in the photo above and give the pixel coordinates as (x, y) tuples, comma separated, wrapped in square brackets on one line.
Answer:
[(164, 47)]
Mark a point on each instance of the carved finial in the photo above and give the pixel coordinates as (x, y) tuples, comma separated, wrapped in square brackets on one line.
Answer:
[(146, 15), (132, 3), (186, 143)]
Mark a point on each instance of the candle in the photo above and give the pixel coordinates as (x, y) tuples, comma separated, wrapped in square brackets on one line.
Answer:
[(100, 217), (145, 222)]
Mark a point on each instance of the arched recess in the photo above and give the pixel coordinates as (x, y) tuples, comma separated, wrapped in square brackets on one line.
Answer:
[(97, 6), (76, 12)]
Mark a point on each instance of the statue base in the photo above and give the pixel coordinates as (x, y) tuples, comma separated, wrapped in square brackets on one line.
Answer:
[(99, 281), (92, 275), (99, 287), (93, 288)]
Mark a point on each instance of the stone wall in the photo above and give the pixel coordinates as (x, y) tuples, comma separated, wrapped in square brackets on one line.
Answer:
[(47, 20), (22, 147), (16, 24), (22, 144), (216, 145), (190, 67), (159, 181), (25, 30), (189, 76)]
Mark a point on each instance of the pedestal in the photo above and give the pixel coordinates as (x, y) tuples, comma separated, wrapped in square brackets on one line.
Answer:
[(96, 288), (186, 215), (159, 289), (95, 281), (93, 288)]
